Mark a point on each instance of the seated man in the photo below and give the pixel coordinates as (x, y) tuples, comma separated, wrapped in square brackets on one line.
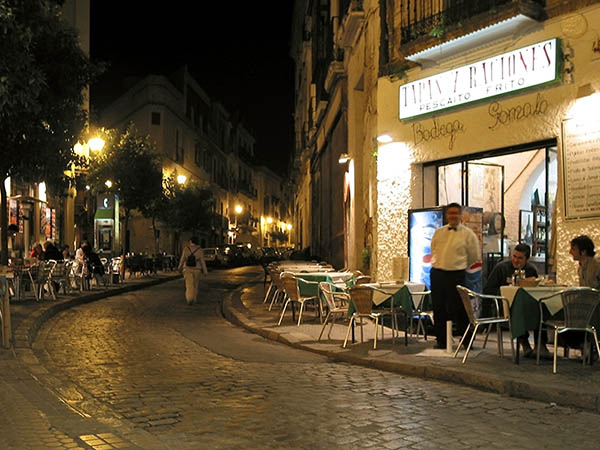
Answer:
[(582, 251), (500, 275), (588, 270)]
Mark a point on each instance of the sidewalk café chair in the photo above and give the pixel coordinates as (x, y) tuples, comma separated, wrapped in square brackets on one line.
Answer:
[(292, 294), (269, 269), (362, 279), (21, 276), (60, 275), (394, 311), (472, 304), (420, 313), (43, 281), (278, 291), (579, 305), (337, 303), (362, 298)]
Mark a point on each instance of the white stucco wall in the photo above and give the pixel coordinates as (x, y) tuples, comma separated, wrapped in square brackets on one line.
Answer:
[(474, 132)]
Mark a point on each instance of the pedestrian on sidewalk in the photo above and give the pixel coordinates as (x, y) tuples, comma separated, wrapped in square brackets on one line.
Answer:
[(454, 248), (193, 266)]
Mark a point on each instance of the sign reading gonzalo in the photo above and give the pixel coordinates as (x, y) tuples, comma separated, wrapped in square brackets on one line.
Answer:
[(509, 72)]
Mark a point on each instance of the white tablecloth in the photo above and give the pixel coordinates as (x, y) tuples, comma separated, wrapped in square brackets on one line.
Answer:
[(554, 303), (390, 288)]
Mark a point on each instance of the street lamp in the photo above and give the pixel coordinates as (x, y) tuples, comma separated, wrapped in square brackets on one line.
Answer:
[(108, 183), (96, 144), (238, 209)]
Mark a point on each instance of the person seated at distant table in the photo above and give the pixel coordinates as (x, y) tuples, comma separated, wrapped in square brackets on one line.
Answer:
[(500, 275)]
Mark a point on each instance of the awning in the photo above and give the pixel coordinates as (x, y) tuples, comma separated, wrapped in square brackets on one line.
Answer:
[(104, 214)]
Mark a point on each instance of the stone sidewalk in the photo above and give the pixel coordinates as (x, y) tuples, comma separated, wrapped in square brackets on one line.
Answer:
[(33, 416), (573, 385)]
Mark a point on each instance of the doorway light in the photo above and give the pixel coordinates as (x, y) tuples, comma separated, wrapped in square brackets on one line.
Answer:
[(344, 158), (384, 139)]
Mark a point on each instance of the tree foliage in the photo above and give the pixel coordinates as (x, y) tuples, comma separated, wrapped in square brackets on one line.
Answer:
[(43, 76), (132, 165), (190, 207)]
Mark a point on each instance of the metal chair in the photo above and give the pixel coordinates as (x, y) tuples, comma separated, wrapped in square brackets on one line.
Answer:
[(362, 299), (579, 305), (60, 275), (472, 304), (420, 312), (278, 291), (292, 293), (337, 303)]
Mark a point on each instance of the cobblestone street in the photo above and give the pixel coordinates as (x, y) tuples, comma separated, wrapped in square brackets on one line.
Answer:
[(156, 373)]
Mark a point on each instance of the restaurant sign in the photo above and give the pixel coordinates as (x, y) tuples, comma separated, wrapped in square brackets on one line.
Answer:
[(530, 66)]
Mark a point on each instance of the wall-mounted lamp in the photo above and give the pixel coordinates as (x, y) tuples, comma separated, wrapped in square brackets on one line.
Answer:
[(585, 90), (344, 158), (181, 179), (108, 183), (384, 139)]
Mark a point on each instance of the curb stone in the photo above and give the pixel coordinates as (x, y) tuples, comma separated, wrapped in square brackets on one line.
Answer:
[(512, 388)]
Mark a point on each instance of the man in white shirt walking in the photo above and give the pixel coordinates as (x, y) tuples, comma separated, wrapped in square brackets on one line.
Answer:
[(454, 248)]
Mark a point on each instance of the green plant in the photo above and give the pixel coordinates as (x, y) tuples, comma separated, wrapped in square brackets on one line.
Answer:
[(366, 256), (438, 31)]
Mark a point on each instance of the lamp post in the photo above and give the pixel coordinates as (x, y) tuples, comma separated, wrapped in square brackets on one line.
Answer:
[(237, 211)]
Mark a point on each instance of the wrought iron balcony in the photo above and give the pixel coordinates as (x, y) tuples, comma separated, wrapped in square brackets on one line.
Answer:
[(420, 18)]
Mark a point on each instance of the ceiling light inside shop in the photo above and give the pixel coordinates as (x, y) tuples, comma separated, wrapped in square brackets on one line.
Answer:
[(384, 139)]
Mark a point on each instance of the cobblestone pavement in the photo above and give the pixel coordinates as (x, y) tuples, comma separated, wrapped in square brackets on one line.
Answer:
[(161, 374)]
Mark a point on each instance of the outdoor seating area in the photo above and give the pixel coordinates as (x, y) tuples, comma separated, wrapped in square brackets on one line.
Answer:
[(403, 309), (31, 279)]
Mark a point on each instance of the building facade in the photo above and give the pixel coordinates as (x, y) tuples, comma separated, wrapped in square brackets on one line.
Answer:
[(486, 103), (199, 139)]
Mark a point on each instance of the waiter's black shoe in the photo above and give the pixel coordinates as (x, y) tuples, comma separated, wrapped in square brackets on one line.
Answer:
[(439, 345)]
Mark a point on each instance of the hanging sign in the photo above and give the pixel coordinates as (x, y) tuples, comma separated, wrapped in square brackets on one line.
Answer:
[(524, 68)]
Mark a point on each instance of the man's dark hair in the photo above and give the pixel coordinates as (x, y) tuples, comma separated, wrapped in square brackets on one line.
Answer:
[(454, 205), (584, 244), (194, 240), (523, 248)]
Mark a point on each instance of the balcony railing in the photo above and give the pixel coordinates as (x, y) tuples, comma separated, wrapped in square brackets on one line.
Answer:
[(421, 18)]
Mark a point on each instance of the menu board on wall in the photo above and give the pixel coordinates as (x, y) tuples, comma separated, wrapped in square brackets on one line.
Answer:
[(581, 166)]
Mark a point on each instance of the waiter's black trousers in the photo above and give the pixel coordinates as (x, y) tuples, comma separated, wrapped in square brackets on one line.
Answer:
[(447, 304)]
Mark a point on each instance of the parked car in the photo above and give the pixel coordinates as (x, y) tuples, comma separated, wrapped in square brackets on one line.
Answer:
[(210, 257)]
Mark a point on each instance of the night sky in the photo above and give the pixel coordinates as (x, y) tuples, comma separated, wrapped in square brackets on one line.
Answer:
[(237, 51)]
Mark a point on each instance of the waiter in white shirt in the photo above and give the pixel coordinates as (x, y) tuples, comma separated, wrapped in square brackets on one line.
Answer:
[(454, 248)]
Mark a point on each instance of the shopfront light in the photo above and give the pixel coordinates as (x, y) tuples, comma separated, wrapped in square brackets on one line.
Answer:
[(384, 139), (269, 220), (181, 179), (288, 226)]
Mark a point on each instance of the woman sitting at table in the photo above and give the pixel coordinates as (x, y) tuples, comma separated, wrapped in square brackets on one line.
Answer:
[(500, 275), (37, 252)]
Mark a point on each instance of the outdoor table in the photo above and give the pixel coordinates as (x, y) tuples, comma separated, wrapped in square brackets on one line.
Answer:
[(525, 308), (398, 292), (388, 294)]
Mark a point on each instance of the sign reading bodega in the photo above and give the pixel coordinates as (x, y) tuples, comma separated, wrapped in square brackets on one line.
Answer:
[(523, 68)]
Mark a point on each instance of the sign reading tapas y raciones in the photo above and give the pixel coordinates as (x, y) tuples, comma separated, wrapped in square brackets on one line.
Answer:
[(530, 66)]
